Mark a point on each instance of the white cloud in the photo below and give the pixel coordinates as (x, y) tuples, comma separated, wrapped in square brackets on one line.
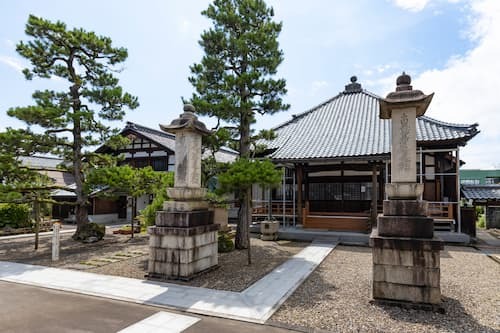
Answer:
[(13, 63), (411, 5), (466, 90), (316, 86)]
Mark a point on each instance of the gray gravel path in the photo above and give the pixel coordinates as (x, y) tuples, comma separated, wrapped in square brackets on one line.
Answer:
[(336, 297)]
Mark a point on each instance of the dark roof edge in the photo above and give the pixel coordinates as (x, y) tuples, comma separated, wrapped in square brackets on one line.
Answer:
[(444, 123), (333, 159), (137, 127)]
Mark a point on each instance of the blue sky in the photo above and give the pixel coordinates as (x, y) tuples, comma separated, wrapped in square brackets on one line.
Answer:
[(450, 47)]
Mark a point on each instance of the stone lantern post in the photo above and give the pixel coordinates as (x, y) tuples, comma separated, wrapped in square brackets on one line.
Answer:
[(183, 241), (406, 255)]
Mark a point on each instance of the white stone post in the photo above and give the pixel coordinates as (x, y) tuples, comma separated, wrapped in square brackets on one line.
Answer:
[(55, 241)]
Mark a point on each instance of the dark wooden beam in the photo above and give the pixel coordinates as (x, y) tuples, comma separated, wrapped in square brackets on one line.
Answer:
[(299, 172), (374, 195)]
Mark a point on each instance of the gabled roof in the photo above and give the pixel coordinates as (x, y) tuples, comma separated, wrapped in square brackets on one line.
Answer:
[(163, 139), (481, 192), (348, 126), (167, 141)]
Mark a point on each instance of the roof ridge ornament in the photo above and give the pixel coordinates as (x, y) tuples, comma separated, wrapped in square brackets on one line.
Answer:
[(353, 87)]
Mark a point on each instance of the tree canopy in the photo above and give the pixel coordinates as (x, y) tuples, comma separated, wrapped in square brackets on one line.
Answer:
[(78, 116)]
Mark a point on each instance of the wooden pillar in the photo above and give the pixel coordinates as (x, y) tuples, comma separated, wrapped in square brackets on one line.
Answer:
[(374, 195), (299, 169)]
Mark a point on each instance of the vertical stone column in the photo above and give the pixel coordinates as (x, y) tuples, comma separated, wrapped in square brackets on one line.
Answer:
[(406, 259), (183, 242)]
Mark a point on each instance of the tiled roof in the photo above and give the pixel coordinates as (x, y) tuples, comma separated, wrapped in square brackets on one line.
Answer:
[(481, 192), (40, 162), (348, 126)]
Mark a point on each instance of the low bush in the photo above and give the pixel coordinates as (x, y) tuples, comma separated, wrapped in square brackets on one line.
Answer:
[(481, 221), (225, 243), (15, 216)]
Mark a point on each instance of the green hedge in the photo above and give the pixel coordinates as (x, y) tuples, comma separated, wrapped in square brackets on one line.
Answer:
[(15, 216)]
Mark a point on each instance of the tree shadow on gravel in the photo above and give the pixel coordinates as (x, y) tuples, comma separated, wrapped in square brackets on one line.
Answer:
[(455, 318)]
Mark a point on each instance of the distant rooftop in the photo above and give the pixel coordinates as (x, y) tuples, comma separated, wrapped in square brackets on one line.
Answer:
[(40, 162)]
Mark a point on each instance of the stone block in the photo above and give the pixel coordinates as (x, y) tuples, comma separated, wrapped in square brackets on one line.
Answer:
[(406, 293), (176, 271), (407, 275), (405, 226), (186, 193), (184, 219), (408, 191), (405, 208), (183, 256), (184, 242), (417, 257), (178, 231), (185, 206), (405, 243)]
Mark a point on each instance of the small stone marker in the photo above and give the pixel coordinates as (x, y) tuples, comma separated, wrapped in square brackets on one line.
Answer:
[(55, 240)]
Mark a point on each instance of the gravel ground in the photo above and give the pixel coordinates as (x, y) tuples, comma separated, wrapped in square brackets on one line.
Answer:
[(71, 252), (233, 273), (336, 296)]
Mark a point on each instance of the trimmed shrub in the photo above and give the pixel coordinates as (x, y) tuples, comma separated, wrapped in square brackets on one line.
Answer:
[(15, 216), (225, 243)]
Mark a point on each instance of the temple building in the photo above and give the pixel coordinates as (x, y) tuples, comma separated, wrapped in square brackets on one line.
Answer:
[(337, 159)]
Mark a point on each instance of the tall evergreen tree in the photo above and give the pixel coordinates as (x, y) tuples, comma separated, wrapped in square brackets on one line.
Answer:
[(234, 80), (77, 117)]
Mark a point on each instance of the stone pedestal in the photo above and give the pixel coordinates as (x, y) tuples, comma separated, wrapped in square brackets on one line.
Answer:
[(182, 245), (406, 269)]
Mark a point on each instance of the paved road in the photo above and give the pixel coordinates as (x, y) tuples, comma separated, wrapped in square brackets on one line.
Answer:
[(31, 309)]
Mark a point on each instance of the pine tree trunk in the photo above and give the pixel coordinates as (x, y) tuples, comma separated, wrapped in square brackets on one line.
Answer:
[(241, 240), (81, 213)]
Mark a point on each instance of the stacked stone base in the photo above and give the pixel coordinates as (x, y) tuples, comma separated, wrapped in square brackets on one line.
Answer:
[(406, 257), (182, 245)]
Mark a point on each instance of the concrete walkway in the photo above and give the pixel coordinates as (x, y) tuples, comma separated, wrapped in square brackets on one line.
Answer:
[(255, 304)]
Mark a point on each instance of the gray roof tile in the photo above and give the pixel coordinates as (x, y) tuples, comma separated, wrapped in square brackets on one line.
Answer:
[(348, 125), (481, 192)]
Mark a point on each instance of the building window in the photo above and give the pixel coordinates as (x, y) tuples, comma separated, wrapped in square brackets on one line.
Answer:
[(469, 181), (160, 164), (492, 180)]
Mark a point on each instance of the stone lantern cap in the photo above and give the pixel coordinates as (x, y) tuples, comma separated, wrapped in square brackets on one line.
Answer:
[(404, 97), (186, 121)]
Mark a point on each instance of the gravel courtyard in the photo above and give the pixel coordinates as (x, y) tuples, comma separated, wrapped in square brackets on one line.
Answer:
[(336, 297), (119, 255)]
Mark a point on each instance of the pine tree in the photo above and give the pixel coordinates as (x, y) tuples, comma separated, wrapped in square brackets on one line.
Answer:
[(77, 117), (234, 81)]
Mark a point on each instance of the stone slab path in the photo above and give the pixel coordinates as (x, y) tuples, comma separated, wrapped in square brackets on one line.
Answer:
[(255, 304)]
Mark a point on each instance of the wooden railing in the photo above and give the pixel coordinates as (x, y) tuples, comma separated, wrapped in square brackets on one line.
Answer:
[(440, 209), (262, 208)]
